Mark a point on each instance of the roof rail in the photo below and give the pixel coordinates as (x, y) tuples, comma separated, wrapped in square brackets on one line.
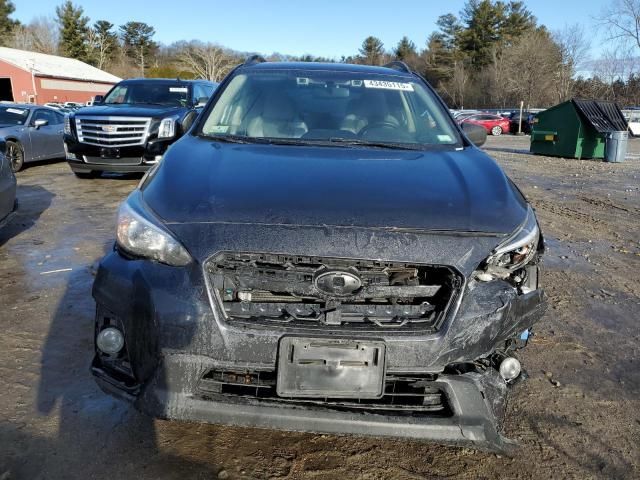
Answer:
[(254, 59), (398, 65)]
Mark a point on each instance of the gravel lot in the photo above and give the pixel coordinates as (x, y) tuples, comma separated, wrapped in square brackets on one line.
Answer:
[(578, 416)]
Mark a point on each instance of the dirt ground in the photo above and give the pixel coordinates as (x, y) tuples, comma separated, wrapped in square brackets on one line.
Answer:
[(578, 416)]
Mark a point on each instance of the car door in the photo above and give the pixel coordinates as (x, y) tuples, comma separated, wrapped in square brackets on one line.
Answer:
[(46, 141)]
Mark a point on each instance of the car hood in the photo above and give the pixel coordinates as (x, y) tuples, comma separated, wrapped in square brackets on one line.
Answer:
[(202, 181), (156, 111)]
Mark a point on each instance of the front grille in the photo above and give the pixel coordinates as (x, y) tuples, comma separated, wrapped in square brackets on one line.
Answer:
[(403, 393), (112, 131), (317, 292)]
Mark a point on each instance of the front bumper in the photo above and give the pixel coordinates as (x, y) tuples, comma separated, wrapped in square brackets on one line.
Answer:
[(84, 158), (476, 401), (174, 336)]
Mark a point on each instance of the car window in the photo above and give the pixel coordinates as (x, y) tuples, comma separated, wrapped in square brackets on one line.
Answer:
[(201, 90), (153, 93), (328, 106), (13, 115), (47, 115)]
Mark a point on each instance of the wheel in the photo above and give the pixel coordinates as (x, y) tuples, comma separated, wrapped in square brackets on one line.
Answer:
[(89, 174), (15, 154), (497, 130)]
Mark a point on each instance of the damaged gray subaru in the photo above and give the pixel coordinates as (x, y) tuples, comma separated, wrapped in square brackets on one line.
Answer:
[(325, 250)]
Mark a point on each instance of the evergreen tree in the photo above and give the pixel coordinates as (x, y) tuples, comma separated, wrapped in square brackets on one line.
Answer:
[(450, 30), (482, 21), (517, 21), (74, 31), (405, 51), (138, 44), (372, 51), (7, 24)]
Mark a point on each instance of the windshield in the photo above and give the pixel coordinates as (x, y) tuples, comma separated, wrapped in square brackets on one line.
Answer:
[(327, 106), (154, 93), (13, 115)]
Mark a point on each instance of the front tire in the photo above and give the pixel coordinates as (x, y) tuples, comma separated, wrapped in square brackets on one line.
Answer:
[(497, 130), (15, 155)]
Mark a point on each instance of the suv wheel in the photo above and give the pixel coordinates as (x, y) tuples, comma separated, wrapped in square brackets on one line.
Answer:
[(497, 130), (15, 154)]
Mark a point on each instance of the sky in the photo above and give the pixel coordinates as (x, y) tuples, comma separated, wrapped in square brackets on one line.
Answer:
[(329, 28)]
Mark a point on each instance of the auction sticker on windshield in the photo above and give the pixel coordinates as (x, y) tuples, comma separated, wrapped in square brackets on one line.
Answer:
[(407, 87)]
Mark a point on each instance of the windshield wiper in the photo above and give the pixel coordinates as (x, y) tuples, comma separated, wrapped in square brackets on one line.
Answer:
[(369, 143)]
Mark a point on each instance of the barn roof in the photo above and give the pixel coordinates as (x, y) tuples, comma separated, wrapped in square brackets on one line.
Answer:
[(55, 66)]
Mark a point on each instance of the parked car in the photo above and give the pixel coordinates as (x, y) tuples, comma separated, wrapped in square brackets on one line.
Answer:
[(525, 126), (325, 250), (633, 123), (8, 202), (31, 133), (132, 126), (493, 124)]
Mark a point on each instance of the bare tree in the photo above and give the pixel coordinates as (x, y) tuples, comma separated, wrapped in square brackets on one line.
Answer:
[(573, 49), (616, 65), (530, 66), (456, 87), (205, 60), (621, 21), (40, 35)]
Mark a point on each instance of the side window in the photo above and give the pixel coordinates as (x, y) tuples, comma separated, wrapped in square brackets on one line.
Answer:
[(45, 115), (201, 91)]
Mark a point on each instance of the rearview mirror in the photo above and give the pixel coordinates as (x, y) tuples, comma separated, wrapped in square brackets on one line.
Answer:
[(475, 133), (41, 122)]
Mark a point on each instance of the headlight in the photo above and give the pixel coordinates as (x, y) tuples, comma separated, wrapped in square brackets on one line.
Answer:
[(167, 128), (520, 248), (138, 236), (67, 125)]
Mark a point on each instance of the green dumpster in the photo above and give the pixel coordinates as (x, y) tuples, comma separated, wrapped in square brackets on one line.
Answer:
[(576, 129)]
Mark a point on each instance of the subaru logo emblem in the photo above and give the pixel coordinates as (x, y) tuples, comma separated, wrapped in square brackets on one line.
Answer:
[(109, 128), (337, 282)]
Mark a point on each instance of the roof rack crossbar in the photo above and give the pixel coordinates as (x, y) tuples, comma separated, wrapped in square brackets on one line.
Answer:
[(254, 59), (398, 65)]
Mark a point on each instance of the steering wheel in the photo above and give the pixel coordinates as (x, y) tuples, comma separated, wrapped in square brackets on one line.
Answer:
[(380, 124)]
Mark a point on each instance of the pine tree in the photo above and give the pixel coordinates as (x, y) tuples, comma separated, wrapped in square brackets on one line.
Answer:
[(372, 51), (7, 25), (74, 31), (138, 43), (405, 50)]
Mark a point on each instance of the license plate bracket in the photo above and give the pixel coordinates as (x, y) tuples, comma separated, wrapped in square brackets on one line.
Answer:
[(107, 152), (330, 368)]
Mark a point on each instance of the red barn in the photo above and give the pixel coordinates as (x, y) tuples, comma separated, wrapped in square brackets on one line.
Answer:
[(31, 77)]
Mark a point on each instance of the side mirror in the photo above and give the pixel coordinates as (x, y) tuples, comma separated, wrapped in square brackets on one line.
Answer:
[(202, 101), (475, 133), (41, 122), (3, 146), (98, 99)]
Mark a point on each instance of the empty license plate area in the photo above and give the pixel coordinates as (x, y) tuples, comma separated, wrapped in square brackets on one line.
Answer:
[(311, 367)]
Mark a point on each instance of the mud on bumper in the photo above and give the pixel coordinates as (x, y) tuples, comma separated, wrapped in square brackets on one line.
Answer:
[(475, 403)]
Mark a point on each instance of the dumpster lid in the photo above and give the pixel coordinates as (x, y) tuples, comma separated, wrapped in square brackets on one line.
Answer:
[(605, 117)]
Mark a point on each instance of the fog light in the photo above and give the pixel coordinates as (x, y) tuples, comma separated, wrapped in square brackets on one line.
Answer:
[(509, 368), (111, 341)]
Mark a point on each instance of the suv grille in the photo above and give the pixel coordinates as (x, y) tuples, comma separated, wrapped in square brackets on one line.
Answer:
[(403, 393), (314, 292), (112, 131)]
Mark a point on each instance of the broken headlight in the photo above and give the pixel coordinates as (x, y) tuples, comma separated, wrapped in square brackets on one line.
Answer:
[(141, 238), (520, 248), (509, 259)]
